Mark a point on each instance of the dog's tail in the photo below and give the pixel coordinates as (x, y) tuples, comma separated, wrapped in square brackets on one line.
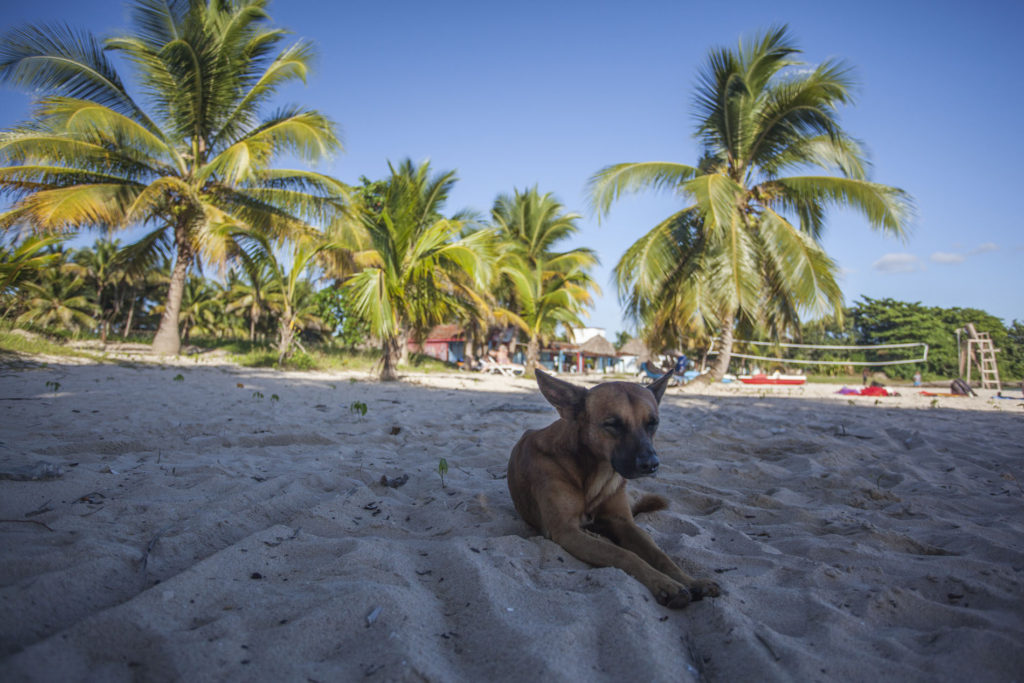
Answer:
[(649, 503)]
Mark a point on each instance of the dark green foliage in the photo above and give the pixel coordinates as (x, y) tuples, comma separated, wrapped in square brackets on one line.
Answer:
[(301, 361), (887, 321), (1013, 350), (334, 308)]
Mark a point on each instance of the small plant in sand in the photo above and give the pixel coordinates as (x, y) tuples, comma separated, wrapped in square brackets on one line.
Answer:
[(934, 403), (1009, 477), (274, 398), (258, 395), (358, 408), (442, 469), (53, 386), (179, 377)]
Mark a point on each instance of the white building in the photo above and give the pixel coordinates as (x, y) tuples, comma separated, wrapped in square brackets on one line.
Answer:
[(579, 335)]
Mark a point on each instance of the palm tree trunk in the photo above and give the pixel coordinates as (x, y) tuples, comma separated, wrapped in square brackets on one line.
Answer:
[(131, 316), (402, 349), (287, 334), (104, 316), (389, 360), (721, 364), (532, 356), (167, 340)]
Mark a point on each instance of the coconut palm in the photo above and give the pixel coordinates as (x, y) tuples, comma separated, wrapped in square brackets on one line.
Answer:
[(543, 287), (57, 298), (201, 305), (249, 290), (288, 290), (745, 247), (147, 275), (196, 163), (24, 260), (530, 224), (413, 259), (102, 270), (547, 299)]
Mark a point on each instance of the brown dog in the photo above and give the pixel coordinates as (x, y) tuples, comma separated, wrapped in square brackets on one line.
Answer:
[(568, 480)]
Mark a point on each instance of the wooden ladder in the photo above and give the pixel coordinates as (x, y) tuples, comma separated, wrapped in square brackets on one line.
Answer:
[(986, 358)]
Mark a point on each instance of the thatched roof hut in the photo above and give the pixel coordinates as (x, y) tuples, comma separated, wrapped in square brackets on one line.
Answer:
[(636, 347), (598, 346)]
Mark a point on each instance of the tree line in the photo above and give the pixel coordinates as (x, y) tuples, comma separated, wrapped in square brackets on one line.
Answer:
[(419, 268), (888, 321)]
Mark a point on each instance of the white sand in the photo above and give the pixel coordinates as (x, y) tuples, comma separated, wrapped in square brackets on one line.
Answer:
[(200, 532)]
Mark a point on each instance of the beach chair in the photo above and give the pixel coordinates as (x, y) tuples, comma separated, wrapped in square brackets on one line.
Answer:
[(507, 369), (650, 375)]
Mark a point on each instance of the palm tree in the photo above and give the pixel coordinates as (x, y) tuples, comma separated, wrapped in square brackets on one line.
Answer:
[(290, 289), (101, 269), (413, 259), (249, 289), (543, 287), (24, 260), (734, 253), (197, 164), (147, 274), (547, 299), (200, 308), (58, 299)]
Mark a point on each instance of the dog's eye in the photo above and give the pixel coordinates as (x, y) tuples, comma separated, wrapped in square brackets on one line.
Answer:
[(613, 425)]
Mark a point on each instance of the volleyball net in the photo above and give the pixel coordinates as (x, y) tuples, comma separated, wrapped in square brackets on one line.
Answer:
[(881, 354)]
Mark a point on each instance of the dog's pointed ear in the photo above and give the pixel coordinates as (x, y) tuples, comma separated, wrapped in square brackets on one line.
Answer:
[(658, 386), (567, 398)]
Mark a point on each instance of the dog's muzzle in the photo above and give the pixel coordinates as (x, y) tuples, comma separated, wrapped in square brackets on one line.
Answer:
[(643, 465), (647, 465)]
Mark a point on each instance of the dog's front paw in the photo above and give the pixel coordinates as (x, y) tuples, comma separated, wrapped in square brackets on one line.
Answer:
[(675, 597), (705, 588)]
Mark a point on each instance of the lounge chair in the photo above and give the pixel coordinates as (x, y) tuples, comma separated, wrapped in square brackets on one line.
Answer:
[(507, 369), (647, 375)]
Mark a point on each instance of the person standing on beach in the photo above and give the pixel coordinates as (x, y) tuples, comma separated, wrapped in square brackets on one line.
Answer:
[(917, 378)]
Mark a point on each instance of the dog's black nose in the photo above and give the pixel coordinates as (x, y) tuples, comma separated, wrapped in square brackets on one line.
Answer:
[(648, 465)]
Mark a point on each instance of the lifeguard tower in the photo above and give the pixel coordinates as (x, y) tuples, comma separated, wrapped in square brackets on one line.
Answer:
[(977, 350)]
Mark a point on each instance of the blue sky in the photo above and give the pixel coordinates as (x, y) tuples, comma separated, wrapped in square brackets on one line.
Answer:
[(516, 94)]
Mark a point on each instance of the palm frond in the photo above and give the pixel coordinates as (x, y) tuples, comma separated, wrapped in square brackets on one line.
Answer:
[(373, 302), (57, 59), (158, 195), (306, 134), (95, 123), (801, 270), (888, 209), (644, 267), (608, 184), (26, 146), (101, 205), (719, 198), (292, 64), (837, 153)]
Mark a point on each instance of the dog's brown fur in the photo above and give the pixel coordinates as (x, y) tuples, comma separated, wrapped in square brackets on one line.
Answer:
[(566, 480)]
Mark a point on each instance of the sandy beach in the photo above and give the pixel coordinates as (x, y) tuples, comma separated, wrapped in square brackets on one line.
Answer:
[(194, 521)]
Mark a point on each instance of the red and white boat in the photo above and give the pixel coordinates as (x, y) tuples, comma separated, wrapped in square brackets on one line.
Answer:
[(773, 379)]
